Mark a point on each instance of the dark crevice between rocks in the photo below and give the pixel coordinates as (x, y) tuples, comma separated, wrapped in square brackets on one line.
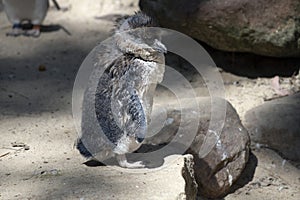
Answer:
[(240, 64), (252, 65)]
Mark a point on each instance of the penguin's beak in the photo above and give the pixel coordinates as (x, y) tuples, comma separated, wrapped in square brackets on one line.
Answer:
[(159, 46)]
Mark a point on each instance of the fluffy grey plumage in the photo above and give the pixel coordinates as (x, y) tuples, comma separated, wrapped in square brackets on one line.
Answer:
[(132, 64)]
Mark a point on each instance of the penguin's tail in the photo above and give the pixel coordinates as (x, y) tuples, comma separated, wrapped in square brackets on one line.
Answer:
[(82, 149)]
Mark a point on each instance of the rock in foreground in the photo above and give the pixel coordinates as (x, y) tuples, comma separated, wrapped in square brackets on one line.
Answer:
[(218, 168)]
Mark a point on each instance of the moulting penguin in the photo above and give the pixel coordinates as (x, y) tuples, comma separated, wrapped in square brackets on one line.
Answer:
[(133, 64)]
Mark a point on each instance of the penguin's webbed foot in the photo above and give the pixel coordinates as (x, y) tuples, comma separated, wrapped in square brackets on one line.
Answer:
[(17, 30), (125, 164)]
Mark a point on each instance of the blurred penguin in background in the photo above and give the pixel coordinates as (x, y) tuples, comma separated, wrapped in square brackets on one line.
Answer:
[(18, 11)]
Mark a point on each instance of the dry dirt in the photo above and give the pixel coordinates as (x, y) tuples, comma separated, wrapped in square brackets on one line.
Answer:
[(36, 80)]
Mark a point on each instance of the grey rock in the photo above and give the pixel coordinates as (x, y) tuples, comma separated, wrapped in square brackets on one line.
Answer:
[(216, 169), (264, 27), (275, 125)]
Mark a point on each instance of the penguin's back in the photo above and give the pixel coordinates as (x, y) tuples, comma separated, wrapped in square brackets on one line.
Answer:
[(118, 107)]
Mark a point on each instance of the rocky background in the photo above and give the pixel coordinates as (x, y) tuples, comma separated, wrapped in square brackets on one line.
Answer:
[(264, 27), (257, 155)]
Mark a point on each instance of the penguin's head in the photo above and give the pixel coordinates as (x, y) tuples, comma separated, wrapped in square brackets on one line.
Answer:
[(138, 20)]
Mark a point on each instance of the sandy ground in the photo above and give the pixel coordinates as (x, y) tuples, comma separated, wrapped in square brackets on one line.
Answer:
[(35, 109)]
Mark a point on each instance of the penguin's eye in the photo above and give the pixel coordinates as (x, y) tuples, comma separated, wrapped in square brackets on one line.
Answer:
[(139, 139)]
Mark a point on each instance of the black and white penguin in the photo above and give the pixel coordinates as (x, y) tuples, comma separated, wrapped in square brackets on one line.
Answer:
[(18, 11), (124, 93)]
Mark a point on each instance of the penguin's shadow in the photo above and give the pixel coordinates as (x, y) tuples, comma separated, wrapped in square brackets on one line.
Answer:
[(47, 28), (152, 156), (53, 28), (94, 163), (149, 161)]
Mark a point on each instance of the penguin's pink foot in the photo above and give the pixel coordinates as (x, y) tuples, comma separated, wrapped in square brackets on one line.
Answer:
[(34, 32)]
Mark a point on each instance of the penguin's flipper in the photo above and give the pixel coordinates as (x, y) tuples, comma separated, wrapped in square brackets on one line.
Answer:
[(82, 149), (129, 113)]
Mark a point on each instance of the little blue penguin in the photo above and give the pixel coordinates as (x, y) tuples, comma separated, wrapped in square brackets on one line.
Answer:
[(18, 11), (133, 64)]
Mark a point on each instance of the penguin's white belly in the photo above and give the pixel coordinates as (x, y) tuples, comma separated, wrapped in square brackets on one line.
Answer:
[(32, 10)]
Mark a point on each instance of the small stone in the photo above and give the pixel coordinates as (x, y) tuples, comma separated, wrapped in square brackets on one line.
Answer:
[(42, 68), (282, 188), (54, 171)]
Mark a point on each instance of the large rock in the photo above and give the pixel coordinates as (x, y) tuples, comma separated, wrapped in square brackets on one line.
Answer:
[(275, 125), (264, 27), (218, 168)]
